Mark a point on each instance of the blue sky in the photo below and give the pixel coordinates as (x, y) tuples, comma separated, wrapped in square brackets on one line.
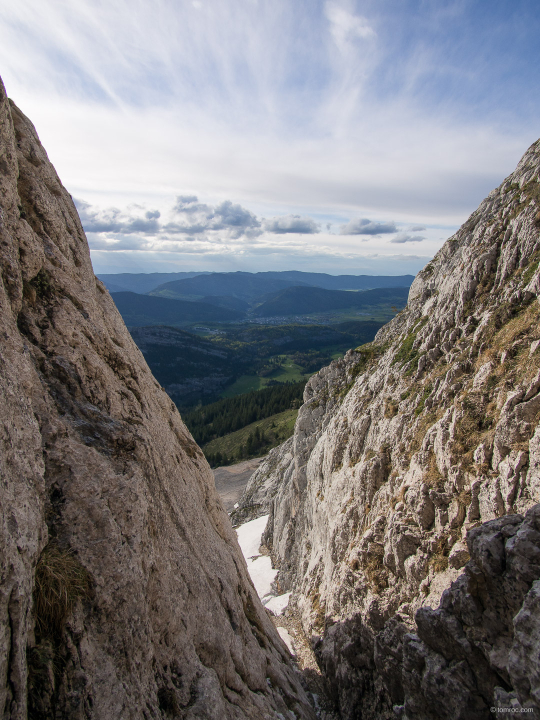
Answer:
[(329, 135)]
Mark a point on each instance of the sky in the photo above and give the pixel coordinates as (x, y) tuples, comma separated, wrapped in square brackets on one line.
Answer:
[(340, 136)]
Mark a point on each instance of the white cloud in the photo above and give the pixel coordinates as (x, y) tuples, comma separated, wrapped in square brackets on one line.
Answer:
[(188, 204), (227, 216), (113, 220), (345, 26), (118, 243), (402, 238), (227, 221), (325, 111), (198, 235), (364, 226), (291, 224)]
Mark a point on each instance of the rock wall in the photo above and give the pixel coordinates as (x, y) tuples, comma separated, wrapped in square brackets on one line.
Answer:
[(123, 592), (407, 444), (480, 648)]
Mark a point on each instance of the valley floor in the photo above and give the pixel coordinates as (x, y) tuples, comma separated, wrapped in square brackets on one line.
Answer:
[(232, 480)]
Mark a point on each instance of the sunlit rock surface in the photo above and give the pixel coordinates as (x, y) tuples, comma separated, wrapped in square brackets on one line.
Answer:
[(399, 450), (142, 604)]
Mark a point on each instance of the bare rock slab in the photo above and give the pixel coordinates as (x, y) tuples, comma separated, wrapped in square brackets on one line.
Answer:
[(123, 592)]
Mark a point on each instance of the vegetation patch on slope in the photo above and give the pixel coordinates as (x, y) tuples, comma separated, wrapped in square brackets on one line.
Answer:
[(306, 300), (226, 416), (205, 365), (251, 441)]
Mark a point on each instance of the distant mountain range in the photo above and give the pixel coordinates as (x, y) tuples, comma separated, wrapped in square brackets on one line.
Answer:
[(341, 282), (231, 297), (148, 282), (242, 285), (141, 282)]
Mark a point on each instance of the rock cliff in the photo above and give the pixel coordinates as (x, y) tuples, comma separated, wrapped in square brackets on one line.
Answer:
[(400, 450), (123, 593)]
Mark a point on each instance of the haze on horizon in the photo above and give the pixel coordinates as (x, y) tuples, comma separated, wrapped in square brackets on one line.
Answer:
[(340, 136)]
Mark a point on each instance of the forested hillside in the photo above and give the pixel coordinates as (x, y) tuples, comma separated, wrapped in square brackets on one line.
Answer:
[(230, 414), (138, 310), (140, 282), (251, 441), (196, 368), (307, 300)]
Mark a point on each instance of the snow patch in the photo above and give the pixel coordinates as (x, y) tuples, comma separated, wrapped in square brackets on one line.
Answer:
[(250, 534), (260, 566), (277, 604), (287, 639), (262, 575)]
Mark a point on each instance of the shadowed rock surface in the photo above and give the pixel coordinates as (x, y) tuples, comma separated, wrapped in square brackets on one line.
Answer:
[(480, 648), (123, 592), (399, 450)]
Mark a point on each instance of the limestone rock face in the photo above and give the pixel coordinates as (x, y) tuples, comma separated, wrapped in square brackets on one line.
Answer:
[(407, 444), (479, 649), (123, 592), (264, 484)]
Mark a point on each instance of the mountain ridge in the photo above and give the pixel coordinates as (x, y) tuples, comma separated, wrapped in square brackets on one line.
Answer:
[(147, 282), (249, 286), (140, 282), (404, 509), (123, 590)]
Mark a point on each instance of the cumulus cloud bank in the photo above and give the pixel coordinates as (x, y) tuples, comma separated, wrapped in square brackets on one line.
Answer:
[(363, 226), (188, 220), (229, 217), (113, 220), (188, 227)]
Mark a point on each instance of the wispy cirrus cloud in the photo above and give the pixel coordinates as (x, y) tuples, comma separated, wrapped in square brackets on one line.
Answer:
[(325, 110), (346, 27)]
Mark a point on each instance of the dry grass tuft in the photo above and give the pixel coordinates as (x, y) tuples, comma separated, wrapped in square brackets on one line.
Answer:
[(60, 581), (390, 409), (432, 476), (465, 497), (474, 424), (319, 610), (424, 422), (439, 560), (400, 497), (376, 573)]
